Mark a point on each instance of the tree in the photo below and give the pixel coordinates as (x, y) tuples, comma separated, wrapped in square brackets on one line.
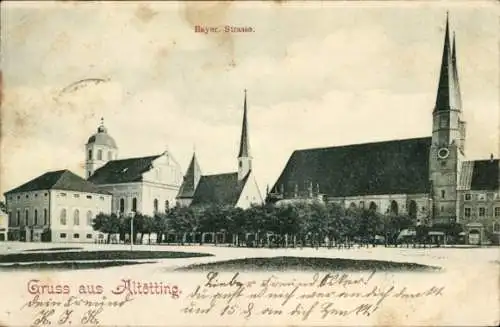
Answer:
[(105, 223), (3, 206)]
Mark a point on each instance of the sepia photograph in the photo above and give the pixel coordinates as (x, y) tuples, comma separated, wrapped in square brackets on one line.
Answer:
[(250, 163)]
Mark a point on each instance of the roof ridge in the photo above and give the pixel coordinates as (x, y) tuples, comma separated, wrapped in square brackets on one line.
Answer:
[(135, 158), (366, 143)]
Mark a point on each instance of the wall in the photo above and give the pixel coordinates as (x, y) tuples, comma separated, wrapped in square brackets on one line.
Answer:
[(250, 194), (489, 200), (28, 202), (72, 201)]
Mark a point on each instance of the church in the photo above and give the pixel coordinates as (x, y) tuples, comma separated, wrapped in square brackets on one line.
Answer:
[(431, 179), (147, 184), (235, 189)]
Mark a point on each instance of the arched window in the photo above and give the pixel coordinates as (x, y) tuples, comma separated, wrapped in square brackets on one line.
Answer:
[(89, 218), (155, 205), (90, 154), (26, 217), (352, 205), (134, 204), (76, 217), (373, 206), (45, 217), (443, 194), (110, 155), (394, 208), (122, 205), (18, 217), (36, 217), (99, 154), (63, 217), (167, 205), (412, 209), (496, 227)]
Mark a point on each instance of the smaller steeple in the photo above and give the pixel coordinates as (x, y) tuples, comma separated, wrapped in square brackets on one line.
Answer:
[(458, 95), (191, 179)]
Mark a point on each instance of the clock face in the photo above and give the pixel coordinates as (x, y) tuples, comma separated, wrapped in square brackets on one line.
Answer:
[(443, 153)]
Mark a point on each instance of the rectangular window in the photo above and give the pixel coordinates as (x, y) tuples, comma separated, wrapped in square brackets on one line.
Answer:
[(468, 196), (62, 194), (89, 196), (76, 195), (62, 235), (482, 212), (497, 211), (76, 235), (481, 197), (89, 235), (467, 212)]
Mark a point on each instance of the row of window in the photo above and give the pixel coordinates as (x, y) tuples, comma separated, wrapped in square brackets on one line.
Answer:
[(482, 212), (479, 197), (134, 205), (76, 217), (42, 219), (76, 235), (62, 194), (99, 155)]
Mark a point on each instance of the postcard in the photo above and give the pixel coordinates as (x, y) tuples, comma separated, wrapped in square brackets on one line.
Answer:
[(280, 163)]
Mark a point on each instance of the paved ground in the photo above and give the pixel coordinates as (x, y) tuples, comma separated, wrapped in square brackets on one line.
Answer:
[(443, 257)]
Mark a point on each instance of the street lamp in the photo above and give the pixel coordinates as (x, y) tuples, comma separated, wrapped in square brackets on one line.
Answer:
[(131, 232)]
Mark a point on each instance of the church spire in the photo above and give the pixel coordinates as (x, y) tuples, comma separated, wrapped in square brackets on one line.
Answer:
[(244, 158), (458, 95), (244, 146), (446, 94)]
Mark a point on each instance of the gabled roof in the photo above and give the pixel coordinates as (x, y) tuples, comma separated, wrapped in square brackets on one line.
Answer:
[(58, 180), (123, 171), (191, 179), (485, 175), (220, 189), (390, 167)]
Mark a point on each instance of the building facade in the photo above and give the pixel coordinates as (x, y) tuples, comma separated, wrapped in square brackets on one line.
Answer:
[(236, 189), (57, 206), (4, 225), (428, 178), (147, 185)]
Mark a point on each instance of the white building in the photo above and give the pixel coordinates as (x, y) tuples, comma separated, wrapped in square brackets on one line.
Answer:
[(57, 206), (145, 184)]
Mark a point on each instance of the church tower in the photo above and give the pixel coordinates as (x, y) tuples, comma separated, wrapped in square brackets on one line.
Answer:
[(448, 138), (244, 158), (100, 149)]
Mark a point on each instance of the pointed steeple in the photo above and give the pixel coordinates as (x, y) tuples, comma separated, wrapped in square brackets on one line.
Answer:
[(458, 95), (244, 146), (446, 94), (191, 179), (244, 158)]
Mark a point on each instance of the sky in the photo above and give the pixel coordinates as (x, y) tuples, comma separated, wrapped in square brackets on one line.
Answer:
[(317, 74)]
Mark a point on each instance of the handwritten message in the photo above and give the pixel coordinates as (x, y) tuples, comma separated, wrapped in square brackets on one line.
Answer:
[(320, 296), (83, 305)]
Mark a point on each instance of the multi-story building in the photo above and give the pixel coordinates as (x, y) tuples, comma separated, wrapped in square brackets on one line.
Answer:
[(57, 206), (428, 178)]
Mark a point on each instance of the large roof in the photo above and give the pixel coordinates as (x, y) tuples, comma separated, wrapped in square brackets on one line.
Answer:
[(58, 180), (390, 167), (221, 189), (123, 171)]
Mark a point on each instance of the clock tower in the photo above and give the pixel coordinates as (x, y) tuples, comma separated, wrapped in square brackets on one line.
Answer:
[(448, 139)]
